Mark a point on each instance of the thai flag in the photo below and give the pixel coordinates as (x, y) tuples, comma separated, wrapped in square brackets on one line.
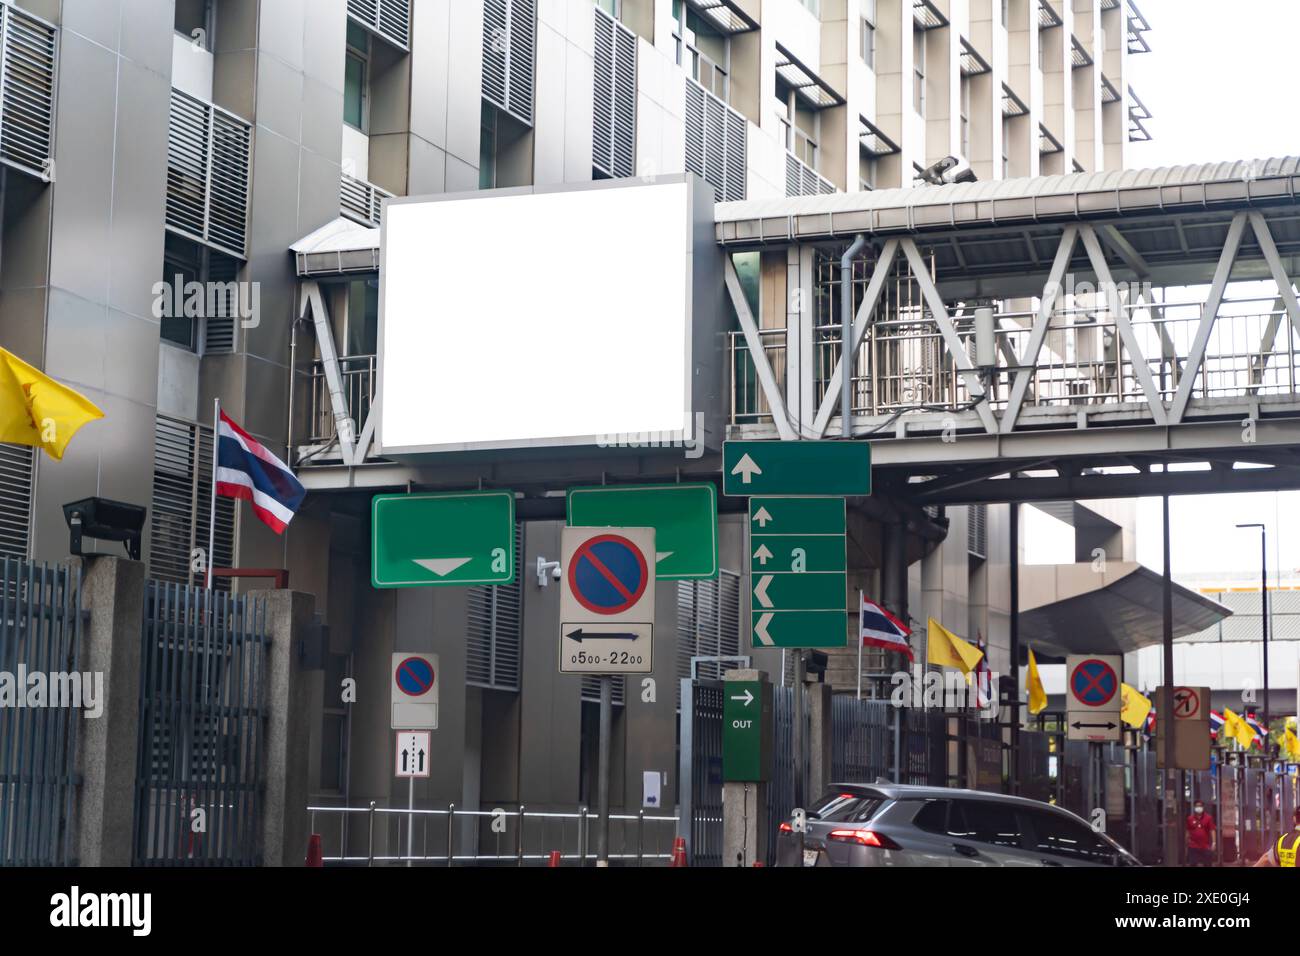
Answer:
[(1216, 724), (245, 469), (878, 628), (1259, 729)]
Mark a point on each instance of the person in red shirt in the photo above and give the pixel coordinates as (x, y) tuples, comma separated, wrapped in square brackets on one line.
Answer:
[(1201, 837)]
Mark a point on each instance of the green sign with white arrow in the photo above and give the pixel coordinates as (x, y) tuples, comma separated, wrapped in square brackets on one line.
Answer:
[(458, 538), (684, 516), (798, 572), (746, 730), (796, 468)]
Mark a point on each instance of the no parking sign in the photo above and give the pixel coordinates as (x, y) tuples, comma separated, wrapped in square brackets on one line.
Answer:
[(607, 600), (1093, 698)]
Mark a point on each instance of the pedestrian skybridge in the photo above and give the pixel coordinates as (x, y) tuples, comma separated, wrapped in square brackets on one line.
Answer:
[(1130, 320), (1092, 335)]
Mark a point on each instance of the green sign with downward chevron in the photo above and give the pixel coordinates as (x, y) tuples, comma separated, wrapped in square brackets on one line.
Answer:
[(798, 572), (460, 538)]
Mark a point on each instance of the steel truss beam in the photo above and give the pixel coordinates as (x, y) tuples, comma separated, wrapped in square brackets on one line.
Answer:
[(757, 354)]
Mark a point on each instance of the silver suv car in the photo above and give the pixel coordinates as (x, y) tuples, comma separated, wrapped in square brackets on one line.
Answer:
[(887, 824)]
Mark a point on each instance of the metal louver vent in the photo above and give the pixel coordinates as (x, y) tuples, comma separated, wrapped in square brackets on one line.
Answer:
[(708, 624), (614, 104), (17, 471), (509, 50), (388, 19), (178, 515), (28, 56), (977, 530), (207, 174), (361, 201), (801, 180), (715, 143), (219, 329), (494, 626)]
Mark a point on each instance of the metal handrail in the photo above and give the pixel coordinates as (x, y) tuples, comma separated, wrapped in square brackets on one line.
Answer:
[(581, 817)]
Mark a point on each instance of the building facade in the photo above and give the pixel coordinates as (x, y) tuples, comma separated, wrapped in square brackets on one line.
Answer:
[(175, 173)]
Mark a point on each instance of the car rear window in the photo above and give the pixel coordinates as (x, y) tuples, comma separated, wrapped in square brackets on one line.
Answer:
[(843, 806)]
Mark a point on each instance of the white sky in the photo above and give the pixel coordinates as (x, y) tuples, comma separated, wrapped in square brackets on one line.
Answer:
[(1220, 84)]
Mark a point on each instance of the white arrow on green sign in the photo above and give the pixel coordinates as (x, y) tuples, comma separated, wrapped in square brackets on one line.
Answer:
[(797, 568), (796, 468), (457, 538), (684, 516)]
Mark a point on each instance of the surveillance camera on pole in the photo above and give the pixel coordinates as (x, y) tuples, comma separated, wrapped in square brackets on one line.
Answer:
[(950, 169)]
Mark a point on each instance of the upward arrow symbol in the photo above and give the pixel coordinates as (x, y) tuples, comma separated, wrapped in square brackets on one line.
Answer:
[(762, 517), (747, 468), (762, 555)]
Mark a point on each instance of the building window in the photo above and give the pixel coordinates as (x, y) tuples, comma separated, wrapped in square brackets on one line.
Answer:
[(800, 126), (918, 70), (869, 33), (356, 78), (610, 7), (187, 267), (335, 727), (702, 51), (487, 148), (1006, 12), (813, 6), (965, 117)]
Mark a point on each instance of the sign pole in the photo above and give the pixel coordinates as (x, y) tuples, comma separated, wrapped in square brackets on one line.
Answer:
[(410, 822), (1172, 834), (212, 504), (859, 647), (602, 786)]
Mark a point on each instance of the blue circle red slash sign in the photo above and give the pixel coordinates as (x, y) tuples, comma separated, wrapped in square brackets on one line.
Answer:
[(608, 574), (1094, 683), (414, 676)]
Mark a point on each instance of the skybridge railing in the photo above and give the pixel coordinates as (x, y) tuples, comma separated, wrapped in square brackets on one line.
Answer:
[(903, 363)]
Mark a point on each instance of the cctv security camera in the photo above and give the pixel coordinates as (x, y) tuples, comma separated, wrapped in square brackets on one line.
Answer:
[(950, 169)]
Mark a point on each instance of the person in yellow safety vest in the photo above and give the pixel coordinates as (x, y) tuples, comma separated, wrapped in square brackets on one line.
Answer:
[(1283, 852)]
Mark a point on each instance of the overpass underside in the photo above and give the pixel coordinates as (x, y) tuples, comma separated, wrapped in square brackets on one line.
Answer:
[(1099, 374)]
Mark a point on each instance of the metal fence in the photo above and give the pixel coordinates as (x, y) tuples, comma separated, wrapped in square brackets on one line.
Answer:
[(386, 836), (862, 739), (202, 715), (701, 771), (40, 633)]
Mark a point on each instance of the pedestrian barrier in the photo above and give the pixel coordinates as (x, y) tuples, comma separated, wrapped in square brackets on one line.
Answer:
[(380, 836)]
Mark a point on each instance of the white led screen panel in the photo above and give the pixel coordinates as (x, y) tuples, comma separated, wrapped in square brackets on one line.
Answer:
[(535, 319)]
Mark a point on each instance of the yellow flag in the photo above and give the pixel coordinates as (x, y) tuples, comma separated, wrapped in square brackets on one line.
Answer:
[(1135, 707), (948, 650), (1237, 728), (1037, 696), (1291, 743), (38, 411)]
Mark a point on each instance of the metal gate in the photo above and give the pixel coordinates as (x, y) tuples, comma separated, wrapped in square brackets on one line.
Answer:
[(40, 633), (701, 770), (862, 740), (198, 799)]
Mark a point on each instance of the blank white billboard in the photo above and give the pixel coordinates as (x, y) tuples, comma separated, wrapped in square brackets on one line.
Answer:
[(553, 318)]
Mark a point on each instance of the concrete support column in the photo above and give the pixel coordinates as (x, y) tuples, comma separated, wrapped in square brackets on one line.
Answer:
[(819, 732), (285, 823), (112, 591)]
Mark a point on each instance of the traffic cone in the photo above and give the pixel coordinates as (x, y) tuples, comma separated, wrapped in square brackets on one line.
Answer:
[(314, 855), (679, 852), (759, 863), (554, 863)]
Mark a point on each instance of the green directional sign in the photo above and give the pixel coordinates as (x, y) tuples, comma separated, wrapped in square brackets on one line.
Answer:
[(684, 516), (746, 730), (796, 468), (798, 572), (457, 538)]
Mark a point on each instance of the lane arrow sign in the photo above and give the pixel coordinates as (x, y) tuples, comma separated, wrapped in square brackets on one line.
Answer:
[(762, 555), (760, 629), (747, 468), (763, 517), (747, 697), (421, 756), (441, 566), (580, 635), (760, 592), (1079, 725)]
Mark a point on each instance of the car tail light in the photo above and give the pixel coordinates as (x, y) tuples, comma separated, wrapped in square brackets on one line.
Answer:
[(786, 828), (864, 838)]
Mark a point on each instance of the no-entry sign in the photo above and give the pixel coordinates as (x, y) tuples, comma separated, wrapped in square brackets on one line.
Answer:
[(607, 600)]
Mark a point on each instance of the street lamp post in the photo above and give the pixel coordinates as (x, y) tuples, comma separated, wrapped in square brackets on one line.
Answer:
[(1263, 596)]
